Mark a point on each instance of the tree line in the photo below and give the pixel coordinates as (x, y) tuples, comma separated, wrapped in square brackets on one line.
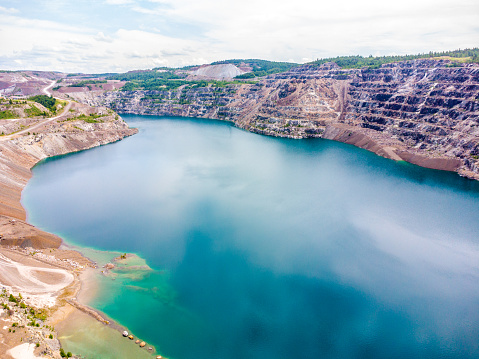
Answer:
[(357, 61)]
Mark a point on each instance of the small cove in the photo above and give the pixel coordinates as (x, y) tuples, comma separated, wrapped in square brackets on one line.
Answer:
[(267, 247)]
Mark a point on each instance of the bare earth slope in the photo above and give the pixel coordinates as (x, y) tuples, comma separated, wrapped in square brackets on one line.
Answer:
[(39, 284), (77, 127), (218, 72), (423, 111)]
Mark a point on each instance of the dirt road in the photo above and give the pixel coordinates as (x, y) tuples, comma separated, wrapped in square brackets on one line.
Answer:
[(43, 122)]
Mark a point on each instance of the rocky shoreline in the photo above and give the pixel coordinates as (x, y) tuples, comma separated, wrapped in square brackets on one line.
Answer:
[(425, 111)]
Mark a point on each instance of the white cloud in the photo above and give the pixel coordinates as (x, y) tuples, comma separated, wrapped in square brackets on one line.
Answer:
[(147, 11), (118, 2), (101, 37), (77, 50), (10, 10), (184, 32), (303, 28)]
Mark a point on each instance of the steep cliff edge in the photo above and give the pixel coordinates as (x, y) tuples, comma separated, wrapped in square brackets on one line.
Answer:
[(432, 109), (80, 127), (422, 111)]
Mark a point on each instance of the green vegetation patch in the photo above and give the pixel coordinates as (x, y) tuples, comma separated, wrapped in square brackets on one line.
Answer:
[(5, 115), (148, 75), (65, 355), (34, 111), (168, 85), (88, 118), (153, 84), (356, 62), (214, 83), (88, 82), (47, 101), (92, 118), (164, 79)]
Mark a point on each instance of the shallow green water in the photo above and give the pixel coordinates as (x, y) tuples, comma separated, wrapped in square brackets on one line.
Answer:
[(271, 248)]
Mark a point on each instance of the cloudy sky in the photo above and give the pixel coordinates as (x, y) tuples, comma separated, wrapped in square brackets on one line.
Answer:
[(120, 35)]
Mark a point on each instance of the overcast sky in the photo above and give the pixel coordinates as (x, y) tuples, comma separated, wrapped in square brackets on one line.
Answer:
[(120, 35)]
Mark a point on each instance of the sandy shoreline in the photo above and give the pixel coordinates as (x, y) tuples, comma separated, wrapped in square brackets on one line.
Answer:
[(34, 285), (62, 279), (50, 279), (64, 299), (80, 327)]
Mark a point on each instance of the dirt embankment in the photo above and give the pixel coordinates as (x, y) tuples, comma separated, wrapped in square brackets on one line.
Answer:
[(394, 150), (78, 127)]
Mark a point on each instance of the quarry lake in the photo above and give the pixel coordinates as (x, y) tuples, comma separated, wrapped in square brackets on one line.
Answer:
[(265, 248)]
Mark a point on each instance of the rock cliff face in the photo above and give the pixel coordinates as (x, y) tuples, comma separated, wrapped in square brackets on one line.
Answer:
[(80, 128), (433, 110), (422, 111)]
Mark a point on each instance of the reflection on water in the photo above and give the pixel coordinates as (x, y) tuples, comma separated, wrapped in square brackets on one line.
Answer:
[(265, 247)]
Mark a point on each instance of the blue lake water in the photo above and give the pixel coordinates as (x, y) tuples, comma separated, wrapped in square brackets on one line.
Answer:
[(271, 248)]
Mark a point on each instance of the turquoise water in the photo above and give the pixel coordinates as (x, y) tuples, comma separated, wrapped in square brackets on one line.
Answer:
[(271, 248)]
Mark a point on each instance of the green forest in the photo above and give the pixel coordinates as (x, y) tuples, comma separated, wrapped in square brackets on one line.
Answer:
[(146, 75), (166, 85), (88, 82), (155, 79), (356, 62), (165, 78)]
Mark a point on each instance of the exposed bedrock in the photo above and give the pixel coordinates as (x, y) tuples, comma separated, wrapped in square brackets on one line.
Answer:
[(424, 111)]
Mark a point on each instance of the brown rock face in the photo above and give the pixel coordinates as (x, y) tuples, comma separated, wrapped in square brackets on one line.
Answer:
[(15, 232), (423, 111)]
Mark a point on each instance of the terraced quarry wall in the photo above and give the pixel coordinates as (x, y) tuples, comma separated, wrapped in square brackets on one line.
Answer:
[(422, 111), (433, 110)]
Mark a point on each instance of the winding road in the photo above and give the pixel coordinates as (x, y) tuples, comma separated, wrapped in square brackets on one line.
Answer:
[(45, 90)]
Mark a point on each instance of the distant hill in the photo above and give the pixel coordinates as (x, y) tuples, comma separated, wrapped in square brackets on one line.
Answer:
[(228, 70), (253, 69)]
